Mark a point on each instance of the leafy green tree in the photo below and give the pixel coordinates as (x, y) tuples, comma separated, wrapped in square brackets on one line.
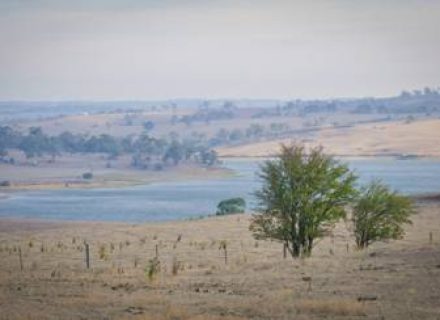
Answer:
[(71, 143), (302, 196), (35, 143), (230, 206), (9, 139), (174, 152), (148, 125), (104, 143), (379, 214), (209, 157)]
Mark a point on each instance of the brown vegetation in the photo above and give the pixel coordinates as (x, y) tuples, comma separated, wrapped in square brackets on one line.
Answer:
[(385, 139), (194, 282)]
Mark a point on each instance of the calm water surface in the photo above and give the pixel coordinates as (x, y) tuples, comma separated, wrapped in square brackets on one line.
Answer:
[(182, 200)]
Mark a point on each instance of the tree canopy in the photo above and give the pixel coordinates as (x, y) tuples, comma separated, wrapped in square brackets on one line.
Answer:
[(232, 205), (379, 214), (303, 195)]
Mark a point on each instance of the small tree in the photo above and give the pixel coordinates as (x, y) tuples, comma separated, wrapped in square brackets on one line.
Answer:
[(229, 206), (87, 176), (379, 214), (302, 196)]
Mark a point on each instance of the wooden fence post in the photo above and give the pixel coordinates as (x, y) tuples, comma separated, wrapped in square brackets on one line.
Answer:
[(21, 258), (284, 250), (226, 255), (430, 237), (223, 245), (87, 256), (157, 251)]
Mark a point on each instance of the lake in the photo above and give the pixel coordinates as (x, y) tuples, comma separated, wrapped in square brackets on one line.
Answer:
[(183, 200)]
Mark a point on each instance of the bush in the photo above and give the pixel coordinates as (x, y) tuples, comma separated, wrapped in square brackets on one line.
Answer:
[(379, 214), (230, 206), (5, 183), (152, 268), (87, 175)]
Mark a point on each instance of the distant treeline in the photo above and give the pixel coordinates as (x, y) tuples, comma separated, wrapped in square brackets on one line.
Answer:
[(425, 101), (146, 150)]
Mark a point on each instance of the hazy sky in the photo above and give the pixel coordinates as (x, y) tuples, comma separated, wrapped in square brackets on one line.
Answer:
[(228, 49)]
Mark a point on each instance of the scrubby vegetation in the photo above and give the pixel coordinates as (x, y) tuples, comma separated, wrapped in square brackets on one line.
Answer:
[(380, 214), (230, 206)]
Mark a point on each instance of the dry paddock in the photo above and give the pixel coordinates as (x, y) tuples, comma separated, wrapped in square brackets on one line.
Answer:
[(399, 280)]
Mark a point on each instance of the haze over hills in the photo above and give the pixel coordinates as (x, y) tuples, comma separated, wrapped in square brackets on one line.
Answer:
[(418, 101), (219, 159)]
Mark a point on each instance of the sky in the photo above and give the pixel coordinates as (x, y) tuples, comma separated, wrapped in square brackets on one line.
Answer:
[(283, 49)]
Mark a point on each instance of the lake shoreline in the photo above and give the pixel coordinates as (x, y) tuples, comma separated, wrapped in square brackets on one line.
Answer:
[(119, 179), (192, 194), (30, 222)]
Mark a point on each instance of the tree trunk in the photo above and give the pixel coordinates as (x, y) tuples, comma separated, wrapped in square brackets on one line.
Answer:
[(310, 246)]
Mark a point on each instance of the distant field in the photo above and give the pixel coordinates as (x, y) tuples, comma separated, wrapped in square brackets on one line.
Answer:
[(418, 138), (194, 282), (116, 123), (342, 132), (67, 171)]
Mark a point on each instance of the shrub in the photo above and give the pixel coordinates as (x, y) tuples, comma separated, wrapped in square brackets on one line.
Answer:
[(5, 183), (103, 252), (379, 214), (230, 206), (152, 268), (87, 175)]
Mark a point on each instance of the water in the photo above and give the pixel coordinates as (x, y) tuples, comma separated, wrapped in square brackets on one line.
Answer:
[(182, 200)]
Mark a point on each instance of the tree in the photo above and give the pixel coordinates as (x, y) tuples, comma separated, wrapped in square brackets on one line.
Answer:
[(209, 157), (35, 143), (302, 196), (148, 125), (254, 130), (230, 206), (379, 214), (174, 152)]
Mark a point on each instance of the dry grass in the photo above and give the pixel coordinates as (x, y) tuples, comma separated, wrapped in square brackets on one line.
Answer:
[(331, 307), (195, 283), (416, 138)]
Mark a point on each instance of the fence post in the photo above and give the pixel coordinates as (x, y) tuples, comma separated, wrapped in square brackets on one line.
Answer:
[(21, 258), (430, 237), (87, 256), (157, 251), (223, 246), (226, 255), (284, 250)]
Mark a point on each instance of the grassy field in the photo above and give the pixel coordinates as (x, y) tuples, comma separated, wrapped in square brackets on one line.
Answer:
[(373, 139), (196, 281)]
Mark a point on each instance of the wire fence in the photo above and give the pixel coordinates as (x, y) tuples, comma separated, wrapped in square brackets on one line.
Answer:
[(123, 256), (20, 256)]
